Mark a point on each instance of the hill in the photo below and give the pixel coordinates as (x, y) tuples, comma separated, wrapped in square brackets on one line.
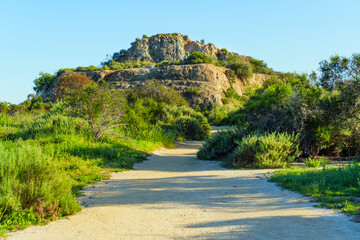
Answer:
[(201, 72)]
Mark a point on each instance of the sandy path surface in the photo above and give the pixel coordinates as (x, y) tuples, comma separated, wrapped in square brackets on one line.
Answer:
[(176, 196)]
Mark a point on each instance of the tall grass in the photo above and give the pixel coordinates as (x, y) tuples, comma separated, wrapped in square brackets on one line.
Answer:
[(46, 160), (32, 180), (334, 187)]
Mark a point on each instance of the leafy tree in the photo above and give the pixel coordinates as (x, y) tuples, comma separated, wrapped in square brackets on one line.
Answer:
[(72, 81), (338, 70), (100, 105), (43, 83)]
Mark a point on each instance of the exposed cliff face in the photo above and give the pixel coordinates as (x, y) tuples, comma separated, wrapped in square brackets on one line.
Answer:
[(211, 81), (169, 47)]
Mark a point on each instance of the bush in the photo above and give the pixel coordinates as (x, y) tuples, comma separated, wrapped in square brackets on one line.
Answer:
[(242, 70), (72, 81), (223, 50), (220, 144), (198, 57), (259, 66), (190, 128), (171, 120), (218, 116), (312, 162), (189, 92), (269, 150), (30, 180), (163, 63), (156, 91)]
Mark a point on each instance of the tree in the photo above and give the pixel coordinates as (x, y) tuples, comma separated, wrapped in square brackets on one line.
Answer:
[(100, 105), (43, 83), (70, 82), (337, 70)]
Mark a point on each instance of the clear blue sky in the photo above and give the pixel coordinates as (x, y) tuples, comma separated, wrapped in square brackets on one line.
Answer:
[(288, 35)]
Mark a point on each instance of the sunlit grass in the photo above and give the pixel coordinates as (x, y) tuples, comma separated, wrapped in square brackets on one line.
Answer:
[(333, 187)]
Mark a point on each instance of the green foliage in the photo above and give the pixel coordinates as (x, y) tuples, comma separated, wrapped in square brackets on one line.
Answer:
[(190, 128), (220, 144), (223, 50), (219, 115), (243, 70), (177, 118), (30, 179), (312, 162), (269, 150), (156, 91), (189, 92), (259, 66), (198, 57), (55, 159), (114, 65), (43, 83), (100, 105), (144, 36), (334, 187), (154, 111), (337, 70)]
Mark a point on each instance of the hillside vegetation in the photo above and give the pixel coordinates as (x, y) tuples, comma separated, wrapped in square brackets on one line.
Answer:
[(305, 116), (49, 151), (51, 148)]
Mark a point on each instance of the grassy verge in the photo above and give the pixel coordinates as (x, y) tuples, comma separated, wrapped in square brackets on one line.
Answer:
[(334, 187), (47, 159)]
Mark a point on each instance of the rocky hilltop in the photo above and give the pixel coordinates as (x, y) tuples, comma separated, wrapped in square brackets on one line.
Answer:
[(210, 81), (169, 47)]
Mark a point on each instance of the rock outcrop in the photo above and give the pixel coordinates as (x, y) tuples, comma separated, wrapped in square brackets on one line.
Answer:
[(170, 47), (210, 81)]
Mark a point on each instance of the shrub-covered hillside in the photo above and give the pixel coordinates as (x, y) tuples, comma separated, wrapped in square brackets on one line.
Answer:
[(49, 151), (298, 113)]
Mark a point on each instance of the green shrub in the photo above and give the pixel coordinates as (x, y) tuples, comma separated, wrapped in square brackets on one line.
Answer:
[(198, 57), (171, 120), (55, 125), (156, 91), (189, 92), (218, 116), (190, 128), (268, 150), (31, 180), (312, 162), (220, 144), (259, 66), (225, 101), (144, 36), (163, 63), (242, 70), (223, 50)]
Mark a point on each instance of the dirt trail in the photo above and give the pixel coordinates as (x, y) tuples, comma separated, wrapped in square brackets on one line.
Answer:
[(176, 196)]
